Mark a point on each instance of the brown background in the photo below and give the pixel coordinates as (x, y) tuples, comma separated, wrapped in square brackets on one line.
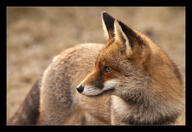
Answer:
[(36, 35)]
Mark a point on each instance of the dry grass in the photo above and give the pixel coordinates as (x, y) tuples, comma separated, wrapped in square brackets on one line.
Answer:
[(36, 35)]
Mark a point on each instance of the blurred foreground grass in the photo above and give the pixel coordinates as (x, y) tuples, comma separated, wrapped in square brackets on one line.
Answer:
[(36, 35)]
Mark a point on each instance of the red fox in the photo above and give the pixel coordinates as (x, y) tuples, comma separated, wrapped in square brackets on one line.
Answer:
[(127, 81)]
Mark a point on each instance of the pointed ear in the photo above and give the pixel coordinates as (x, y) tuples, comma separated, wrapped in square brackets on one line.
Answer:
[(108, 25), (122, 39), (130, 42)]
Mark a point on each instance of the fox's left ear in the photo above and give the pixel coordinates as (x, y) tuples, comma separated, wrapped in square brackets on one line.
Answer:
[(122, 39), (130, 41)]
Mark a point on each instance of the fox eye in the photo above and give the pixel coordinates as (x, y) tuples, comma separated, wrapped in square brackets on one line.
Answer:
[(107, 69)]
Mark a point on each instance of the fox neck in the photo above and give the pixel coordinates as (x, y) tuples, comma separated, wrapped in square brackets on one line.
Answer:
[(146, 110)]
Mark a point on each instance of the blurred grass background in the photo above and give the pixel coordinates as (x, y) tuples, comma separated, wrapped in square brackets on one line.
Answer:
[(36, 34)]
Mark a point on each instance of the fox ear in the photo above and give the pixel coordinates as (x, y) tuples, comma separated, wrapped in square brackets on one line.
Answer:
[(108, 25), (130, 41), (122, 39)]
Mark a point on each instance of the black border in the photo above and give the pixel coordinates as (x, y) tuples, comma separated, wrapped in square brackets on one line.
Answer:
[(96, 3), (188, 42), (3, 64), (4, 4)]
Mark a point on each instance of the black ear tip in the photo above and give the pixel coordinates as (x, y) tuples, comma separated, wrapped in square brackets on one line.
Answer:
[(103, 12), (106, 15)]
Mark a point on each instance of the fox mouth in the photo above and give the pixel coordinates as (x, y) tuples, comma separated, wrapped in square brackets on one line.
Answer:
[(97, 91), (89, 90), (109, 91)]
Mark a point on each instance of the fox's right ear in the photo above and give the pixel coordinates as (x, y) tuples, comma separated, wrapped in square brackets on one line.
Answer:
[(108, 25)]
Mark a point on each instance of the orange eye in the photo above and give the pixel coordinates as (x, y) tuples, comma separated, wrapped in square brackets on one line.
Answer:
[(107, 69)]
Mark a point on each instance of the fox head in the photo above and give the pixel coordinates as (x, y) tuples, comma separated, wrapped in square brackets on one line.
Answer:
[(127, 63)]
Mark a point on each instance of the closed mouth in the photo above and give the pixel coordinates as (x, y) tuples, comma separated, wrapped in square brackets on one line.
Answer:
[(103, 93)]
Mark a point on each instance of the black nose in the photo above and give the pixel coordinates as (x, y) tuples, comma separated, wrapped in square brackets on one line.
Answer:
[(80, 89)]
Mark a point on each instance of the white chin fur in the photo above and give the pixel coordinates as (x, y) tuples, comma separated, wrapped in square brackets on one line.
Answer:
[(90, 90)]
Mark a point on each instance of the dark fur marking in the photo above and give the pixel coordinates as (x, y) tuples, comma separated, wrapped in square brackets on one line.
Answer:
[(31, 111), (109, 23), (176, 71), (97, 82)]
